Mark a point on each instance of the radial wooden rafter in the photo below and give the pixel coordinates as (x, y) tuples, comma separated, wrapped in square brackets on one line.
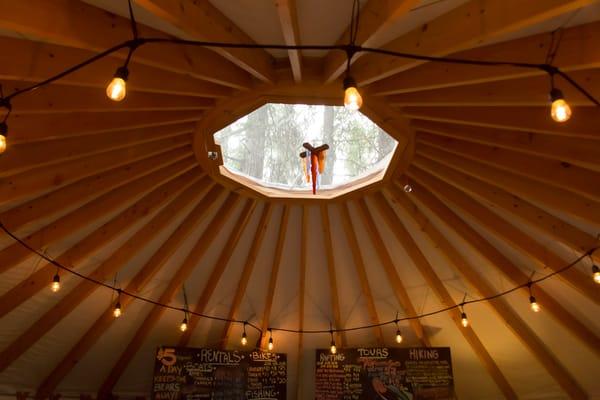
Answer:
[(288, 19)]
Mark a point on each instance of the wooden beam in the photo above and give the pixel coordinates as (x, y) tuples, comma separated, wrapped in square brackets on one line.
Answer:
[(523, 92), (414, 252), (361, 271), (582, 152), (200, 20), (35, 61), (441, 37), (376, 17), (187, 267), (249, 262), (136, 285), (392, 274), (218, 269), (554, 173), (288, 19), (41, 180), (585, 123), (506, 231), (31, 128), (301, 294), (114, 200), (77, 253), (511, 319), (563, 200), (80, 25), (283, 227), (184, 191), (333, 288), (578, 54)]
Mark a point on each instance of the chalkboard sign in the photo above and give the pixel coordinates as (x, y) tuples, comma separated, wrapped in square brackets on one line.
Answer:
[(384, 373), (195, 374)]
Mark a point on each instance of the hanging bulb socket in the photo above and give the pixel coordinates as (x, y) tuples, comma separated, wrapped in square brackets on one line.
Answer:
[(184, 325), (352, 99), (398, 336), (117, 88), (332, 348), (560, 110), (244, 336), (3, 136), (535, 307), (117, 310), (55, 287), (596, 273), (270, 345), (463, 319)]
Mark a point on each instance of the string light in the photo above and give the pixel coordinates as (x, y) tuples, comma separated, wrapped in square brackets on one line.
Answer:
[(596, 273), (270, 345), (352, 99), (398, 333), (463, 315), (184, 324), (560, 110), (244, 336), (332, 348), (117, 88), (55, 286), (535, 307), (117, 312)]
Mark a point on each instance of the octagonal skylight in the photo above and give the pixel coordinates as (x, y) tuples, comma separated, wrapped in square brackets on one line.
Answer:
[(264, 146)]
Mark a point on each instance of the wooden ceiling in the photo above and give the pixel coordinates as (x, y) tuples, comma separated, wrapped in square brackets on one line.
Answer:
[(123, 191)]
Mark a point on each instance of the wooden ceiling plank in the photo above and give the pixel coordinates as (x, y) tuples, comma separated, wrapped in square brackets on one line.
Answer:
[(249, 263), (557, 173), (460, 29), (392, 274), (376, 17), (116, 199), (59, 202), (511, 319), (582, 152), (559, 199), (542, 256), (301, 294), (77, 253), (41, 180), (175, 284), (333, 286), (410, 246), (32, 128), (576, 53), (77, 24), (200, 20), (26, 157), (584, 124), (218, 269), (177, 195), (157, 261), (288, 19), (283, 227), (361, 271)]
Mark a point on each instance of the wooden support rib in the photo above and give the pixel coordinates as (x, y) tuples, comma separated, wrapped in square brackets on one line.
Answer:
[(283, 227), (39, 181), (585, 123), (567, 201), (556, 173), (361, 271), (76, 24), (420, 261), (392, 274), (136, 285), (440, 36), (112, 201), (82, 249), (582, 152), (184, 192), (31, 128), (218, 269), (376, 17), (333, 288), (74, 195), (25, 157), (249, 263), (301, 293), (579, 54), (288, 20), (176, 282), (509, 233), (203, 21), (525, 334)]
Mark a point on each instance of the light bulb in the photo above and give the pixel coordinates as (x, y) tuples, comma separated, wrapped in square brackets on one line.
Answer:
[(352, 98), (117, 88), (3, 134), (117, 311), (463, 320), (244, 339), (535, 307), (270, 345), (560, 109), (408, 188), (184, 325), (55, 287), (398, 337), (333, 349), (596, 273)]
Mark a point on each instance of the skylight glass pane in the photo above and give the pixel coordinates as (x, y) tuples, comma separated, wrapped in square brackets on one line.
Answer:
[(265, 145)]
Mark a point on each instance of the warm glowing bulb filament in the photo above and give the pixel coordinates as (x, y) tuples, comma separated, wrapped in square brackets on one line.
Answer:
[(596, 274), (270, 345), (535, 307), (333, 349), (463, 320), (117, 311), (117, 89), (2, 144), (184, 325), (398, 337), (55, 287)]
